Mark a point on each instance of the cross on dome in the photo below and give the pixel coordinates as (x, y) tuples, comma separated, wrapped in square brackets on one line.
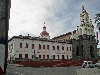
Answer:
[(44, 22)]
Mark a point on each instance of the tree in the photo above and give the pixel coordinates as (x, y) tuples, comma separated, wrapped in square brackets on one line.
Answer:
[(97, 20)]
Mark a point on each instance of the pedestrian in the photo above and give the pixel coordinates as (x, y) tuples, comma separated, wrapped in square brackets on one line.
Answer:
[(1, 71)]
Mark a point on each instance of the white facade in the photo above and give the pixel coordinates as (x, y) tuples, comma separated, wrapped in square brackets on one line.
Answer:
[(18, 47)]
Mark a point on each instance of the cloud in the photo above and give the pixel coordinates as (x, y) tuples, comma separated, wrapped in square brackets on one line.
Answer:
[(60, 16)]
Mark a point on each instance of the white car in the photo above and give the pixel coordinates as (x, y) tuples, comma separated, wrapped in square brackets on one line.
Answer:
[(88, 64), (97, 64)]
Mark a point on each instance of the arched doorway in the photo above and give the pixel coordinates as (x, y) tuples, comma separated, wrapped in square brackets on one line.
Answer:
[(77, 51), (91, 52), (82, 51)]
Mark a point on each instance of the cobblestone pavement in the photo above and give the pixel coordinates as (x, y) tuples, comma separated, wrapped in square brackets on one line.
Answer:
[(13, 70), (88, 71), (73, 70)]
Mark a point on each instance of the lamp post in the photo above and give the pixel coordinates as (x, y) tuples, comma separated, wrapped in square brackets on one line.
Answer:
[(12, 57), (34, 56)]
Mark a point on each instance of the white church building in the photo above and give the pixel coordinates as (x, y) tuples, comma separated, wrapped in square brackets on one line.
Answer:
[(42, 47)]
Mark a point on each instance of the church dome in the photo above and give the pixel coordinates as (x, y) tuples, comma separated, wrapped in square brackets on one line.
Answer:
[(44, 33)]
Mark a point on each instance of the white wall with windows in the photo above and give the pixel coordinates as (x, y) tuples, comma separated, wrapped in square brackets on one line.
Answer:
[(25, 48)]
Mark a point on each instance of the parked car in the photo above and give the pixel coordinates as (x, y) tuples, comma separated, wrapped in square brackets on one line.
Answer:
[(97, 64), (88, 64)]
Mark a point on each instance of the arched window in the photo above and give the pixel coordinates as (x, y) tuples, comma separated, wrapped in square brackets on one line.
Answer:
[(32, 46), (53, 47), (62, 47), (26, 45), (48, 47), (57, 47), (43, 46), (67, 48), (20, 45), (70, 49), (39, 46)]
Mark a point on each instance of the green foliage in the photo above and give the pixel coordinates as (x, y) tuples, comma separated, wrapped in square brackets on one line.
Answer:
[(97, 20)]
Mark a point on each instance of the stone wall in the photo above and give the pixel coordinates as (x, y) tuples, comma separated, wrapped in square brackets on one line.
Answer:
[(86, 47)]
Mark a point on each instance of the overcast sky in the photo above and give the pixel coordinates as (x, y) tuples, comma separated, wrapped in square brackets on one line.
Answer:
[(60, 16)]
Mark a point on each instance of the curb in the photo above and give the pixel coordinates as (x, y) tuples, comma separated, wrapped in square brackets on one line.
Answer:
[(16, 65)]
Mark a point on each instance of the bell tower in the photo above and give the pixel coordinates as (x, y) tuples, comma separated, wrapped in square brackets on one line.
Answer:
[(84, 16), (85, 42), (86, 26)]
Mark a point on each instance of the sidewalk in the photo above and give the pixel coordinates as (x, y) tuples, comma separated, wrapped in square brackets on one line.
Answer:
[(88, 71), (16, 65)]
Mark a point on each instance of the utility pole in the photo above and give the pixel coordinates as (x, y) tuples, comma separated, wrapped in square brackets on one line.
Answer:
[(4, 26)]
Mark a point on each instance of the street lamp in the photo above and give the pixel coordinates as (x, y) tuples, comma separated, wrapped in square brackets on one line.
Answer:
[(34, 56), (12, 57)]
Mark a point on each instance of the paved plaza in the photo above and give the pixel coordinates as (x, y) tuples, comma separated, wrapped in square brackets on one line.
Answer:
[(88, 71), (72, 70), (13, 70)]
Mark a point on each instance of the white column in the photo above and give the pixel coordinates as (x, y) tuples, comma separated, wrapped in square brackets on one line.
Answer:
[(90, 32), (87, 31), (83, 29), (51, 51)]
